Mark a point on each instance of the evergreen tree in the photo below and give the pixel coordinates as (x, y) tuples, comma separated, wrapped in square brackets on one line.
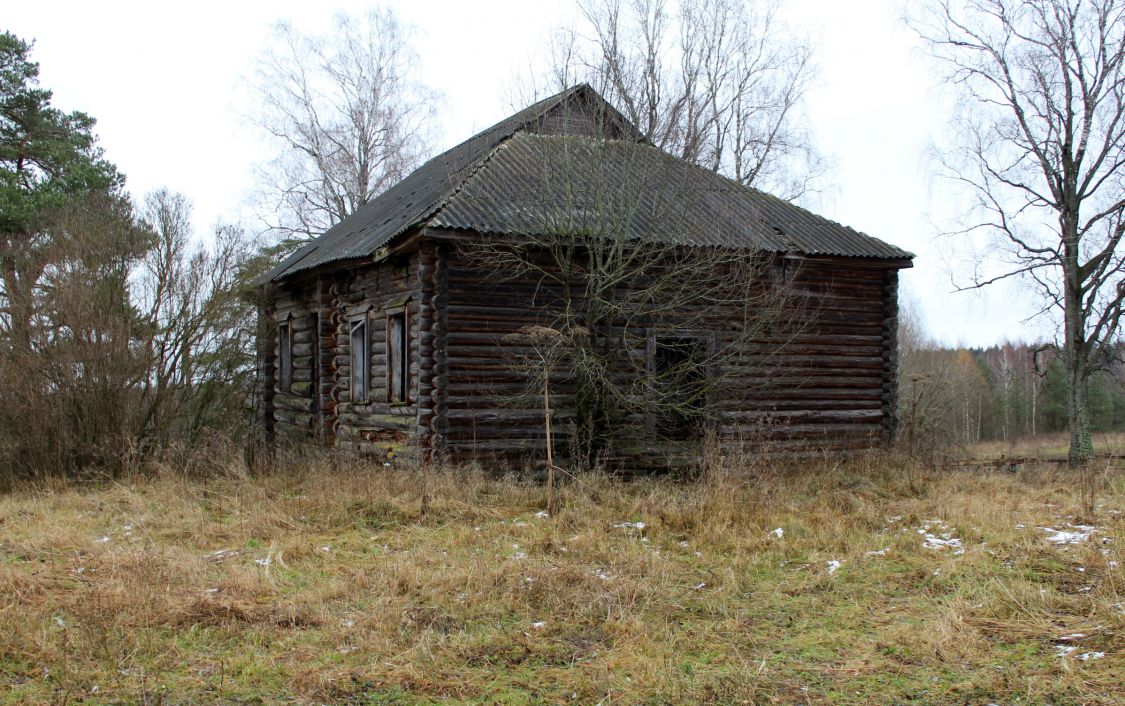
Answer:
[(49, 163)]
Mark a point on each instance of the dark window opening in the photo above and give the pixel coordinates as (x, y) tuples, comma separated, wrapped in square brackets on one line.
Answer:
[(285, 356), (678, 365), (398, 367), (360, 361)]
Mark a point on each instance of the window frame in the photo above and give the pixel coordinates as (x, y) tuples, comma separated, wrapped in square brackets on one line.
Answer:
[(400, 346), (285, 355), (359, 388)]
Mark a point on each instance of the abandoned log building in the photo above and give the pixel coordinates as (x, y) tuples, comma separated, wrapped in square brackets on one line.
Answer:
[(388, 330)]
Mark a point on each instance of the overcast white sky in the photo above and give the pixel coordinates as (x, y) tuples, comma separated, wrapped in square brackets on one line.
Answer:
[(166, 84)]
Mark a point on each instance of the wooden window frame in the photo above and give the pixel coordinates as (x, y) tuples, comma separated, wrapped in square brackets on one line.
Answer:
[(360, 375), (402, 346), (285, 356)]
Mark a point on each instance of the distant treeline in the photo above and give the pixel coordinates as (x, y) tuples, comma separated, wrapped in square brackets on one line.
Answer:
[(956, 396)]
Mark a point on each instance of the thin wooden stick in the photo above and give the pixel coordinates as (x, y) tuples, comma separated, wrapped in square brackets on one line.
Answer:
[(551, 504)]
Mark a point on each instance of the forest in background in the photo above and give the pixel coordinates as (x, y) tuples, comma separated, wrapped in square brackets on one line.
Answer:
[(950, 397)]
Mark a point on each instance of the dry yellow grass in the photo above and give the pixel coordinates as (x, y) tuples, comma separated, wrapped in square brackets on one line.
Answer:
[(323, 583), (1053, 446)]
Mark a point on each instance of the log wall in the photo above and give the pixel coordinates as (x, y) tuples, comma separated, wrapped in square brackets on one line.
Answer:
[(321, 310), (378, 425), (828, 382), (294, 410)]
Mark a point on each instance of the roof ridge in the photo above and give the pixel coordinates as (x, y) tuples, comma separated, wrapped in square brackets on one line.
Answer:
[(478, 166), (475, 166), (552, 100)]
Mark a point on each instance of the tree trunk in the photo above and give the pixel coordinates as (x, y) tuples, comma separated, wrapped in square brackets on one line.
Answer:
[(1076, 353), (1078, 413)]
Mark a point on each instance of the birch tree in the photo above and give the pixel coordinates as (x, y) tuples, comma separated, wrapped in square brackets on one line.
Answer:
[(347, 116), (1039, 146)]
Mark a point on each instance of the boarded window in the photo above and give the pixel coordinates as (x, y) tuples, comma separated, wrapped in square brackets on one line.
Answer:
[(285, 356), (361, 361), (398, 368)]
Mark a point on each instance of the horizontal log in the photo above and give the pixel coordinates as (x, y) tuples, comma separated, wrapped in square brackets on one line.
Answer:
[(479, 415), (377, 421)]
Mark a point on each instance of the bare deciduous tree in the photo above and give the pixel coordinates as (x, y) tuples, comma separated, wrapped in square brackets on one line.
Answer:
[(716, 82), (1040, 147), (348, 116), (944, 395), (198, 334)]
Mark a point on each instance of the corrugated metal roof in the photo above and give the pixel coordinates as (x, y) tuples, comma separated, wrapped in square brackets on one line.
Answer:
[(509, 179), (408, 202), (540, 184)]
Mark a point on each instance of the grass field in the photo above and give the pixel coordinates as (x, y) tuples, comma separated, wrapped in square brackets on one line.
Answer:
[(876, 581), (1046, 446)]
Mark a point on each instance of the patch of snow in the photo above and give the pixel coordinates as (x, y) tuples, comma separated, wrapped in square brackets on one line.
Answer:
[(542, 514), (1076, 535), (946, 539), (263, 562), (538, 624), (683, 545), (326, 549), (700, 586), (1071, 637), (348, 623), (1080, 569), (220, 554), (1064, 650), (1086, 656), (779, 533), (1112, 564), (630, 525), (1020, 525), (832, 566), (601, 573), (880, 552), (102, 540)]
